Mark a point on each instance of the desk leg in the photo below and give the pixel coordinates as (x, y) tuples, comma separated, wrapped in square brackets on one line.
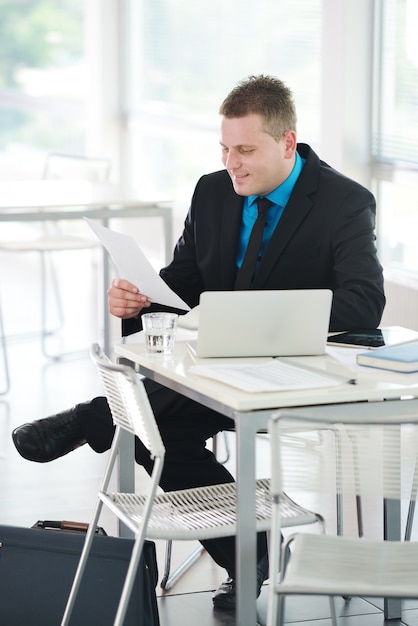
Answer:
[(246, 525), (126, 477), (392, 532), (106, 319)]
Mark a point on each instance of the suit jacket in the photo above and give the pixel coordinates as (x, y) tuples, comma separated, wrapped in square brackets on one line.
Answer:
[(324, 239)]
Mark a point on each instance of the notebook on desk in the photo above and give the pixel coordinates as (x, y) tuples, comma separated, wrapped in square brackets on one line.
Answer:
[(262, 323)]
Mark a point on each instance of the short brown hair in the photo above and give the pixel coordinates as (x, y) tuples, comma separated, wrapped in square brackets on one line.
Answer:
[(266, 96)]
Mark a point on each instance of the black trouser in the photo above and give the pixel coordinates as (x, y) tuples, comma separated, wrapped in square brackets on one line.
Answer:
[(185, 426)]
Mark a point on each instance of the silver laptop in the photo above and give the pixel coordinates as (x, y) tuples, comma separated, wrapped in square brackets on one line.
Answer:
[(263, 323)]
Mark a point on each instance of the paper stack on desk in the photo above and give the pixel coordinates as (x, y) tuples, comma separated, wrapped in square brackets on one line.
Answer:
[(274, 375)]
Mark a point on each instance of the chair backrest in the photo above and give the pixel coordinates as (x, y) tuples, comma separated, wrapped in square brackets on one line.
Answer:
[(373, 457), (68, 167), (128, 402)]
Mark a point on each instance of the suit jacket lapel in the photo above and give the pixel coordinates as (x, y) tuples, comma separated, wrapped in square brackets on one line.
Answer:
[(299, 205), (230, 231), (301, 202)]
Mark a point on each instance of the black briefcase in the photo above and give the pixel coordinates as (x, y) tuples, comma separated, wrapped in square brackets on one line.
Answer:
[(37, 568)]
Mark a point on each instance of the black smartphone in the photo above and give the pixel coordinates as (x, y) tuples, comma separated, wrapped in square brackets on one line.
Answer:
[(373, 337)]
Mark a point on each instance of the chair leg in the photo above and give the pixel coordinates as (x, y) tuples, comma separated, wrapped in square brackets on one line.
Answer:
[(276, 612), (280, 609), (168, 580), (45, 332), (339, 497), (359, 508), (410, 520), (412, 501), (358, 498), (334, 618), (5, 357), (129, 580), (90, 535), (82, 564)]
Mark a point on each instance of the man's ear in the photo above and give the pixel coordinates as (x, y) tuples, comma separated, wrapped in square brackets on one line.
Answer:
[(290, 143)]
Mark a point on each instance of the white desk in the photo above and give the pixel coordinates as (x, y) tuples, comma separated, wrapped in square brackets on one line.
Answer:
[(43, 200), (251, 413)]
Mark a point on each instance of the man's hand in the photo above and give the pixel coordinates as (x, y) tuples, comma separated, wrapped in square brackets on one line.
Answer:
[(125, 300)]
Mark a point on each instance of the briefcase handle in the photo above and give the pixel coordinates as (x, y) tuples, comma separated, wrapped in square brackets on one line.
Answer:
[(75, 527)]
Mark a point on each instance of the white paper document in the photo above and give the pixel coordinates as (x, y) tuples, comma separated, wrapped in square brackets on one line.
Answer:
[(133, 265), (274, 375)]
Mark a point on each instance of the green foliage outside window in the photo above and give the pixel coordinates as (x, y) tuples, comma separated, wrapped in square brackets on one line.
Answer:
[(38, 34)]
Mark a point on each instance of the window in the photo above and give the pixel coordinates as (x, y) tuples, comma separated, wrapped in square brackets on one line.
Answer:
[(42, 83), (395, 132), (182, 59)]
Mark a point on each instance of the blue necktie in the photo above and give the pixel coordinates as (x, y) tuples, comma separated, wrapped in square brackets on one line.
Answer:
[(246, 272)]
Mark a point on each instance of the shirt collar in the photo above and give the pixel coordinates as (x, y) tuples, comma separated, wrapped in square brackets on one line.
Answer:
[(281, 194)]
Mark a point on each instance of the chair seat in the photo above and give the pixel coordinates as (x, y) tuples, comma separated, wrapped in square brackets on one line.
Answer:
[(329, 565), (201, 513)]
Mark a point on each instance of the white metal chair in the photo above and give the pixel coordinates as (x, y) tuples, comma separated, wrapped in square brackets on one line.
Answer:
[(169, 577), (200, 513), (369, 466), (412, 505), (55, 236)]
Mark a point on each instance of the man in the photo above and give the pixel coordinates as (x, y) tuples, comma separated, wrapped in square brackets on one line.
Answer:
[(318, 233)]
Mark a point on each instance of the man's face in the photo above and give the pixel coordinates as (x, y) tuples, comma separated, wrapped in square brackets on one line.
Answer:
[(256, 162)]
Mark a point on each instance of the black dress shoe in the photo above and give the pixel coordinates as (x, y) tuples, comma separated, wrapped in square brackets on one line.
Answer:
[(49, 438), (225, 596)]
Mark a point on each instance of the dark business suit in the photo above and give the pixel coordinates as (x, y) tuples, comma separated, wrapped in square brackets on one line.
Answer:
[(324, 239)]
